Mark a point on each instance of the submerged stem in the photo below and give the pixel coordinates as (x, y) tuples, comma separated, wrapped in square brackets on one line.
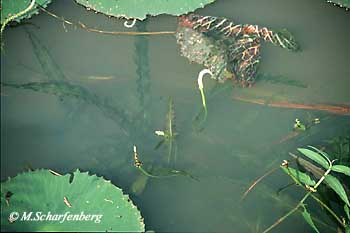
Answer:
[(301, 202), (83, 26)]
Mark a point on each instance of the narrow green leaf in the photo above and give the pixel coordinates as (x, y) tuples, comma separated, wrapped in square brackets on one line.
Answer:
[(321, 152), (306, 215), (335, 184), (347, 211), (316, 157), (300, 176), (342, 169)]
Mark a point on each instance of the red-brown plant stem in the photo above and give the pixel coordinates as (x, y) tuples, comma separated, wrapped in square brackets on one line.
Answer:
[(342, 110)]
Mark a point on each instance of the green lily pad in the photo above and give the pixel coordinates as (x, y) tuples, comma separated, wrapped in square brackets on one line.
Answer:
[(11, 7), (42, 201), (139, 9)]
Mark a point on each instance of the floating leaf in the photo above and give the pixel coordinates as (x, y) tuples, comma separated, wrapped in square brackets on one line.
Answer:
[(335, 184), (11, 7), (342, 169), (139, 185), (314, 157), (307, 217), (77, 194), (300, 176), (139, 9)]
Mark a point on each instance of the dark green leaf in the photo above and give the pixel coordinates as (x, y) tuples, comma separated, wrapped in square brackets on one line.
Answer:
[(300, 176), (342, 169), (306, 215), (347, 211), (335, 184), (316, 157)]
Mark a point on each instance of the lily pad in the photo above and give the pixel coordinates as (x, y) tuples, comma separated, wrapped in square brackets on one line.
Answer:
[(11, 7), (139, 9), (42, 200)]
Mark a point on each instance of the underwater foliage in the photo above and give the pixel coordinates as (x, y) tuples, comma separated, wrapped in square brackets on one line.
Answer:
[(327, 172), (139, 9), (228, 49), (47, 63), (169, 135), (341, 3), (11, 8), (66, 89), (53, 194), (203, 50), (143, 81)]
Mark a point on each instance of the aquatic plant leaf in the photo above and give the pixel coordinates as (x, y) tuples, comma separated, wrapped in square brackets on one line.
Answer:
[(308, 166), (77, 193), (170, 118), (347, 211), (342, 169), (314, 157), (169, 172), (228, 49), (159, 144), (341, 3), (244, 59), (279, 79), (307, 217), (224, 28), (66, 89), (48, 65), (143, 81), (11, 7), (139, 185), (335, 184), (139, 9), (300, 176)]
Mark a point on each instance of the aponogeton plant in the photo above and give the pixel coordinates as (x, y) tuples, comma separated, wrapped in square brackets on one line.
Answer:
[(42, 196), (234, 48)]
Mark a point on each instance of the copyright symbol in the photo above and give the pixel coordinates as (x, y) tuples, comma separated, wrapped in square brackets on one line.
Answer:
[(13, 217)]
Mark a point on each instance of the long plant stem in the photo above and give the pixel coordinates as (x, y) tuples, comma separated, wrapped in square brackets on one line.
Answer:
[(83, 26), (328, 209), (281, 219), (318, 200), (146, 173), (342, 110), (301, 202), (269, 172)]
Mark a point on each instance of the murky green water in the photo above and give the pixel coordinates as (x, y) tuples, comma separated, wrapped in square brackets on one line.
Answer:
[(240, 140)]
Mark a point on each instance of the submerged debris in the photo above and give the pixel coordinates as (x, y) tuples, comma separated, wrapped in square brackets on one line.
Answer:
[(229, 50)]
